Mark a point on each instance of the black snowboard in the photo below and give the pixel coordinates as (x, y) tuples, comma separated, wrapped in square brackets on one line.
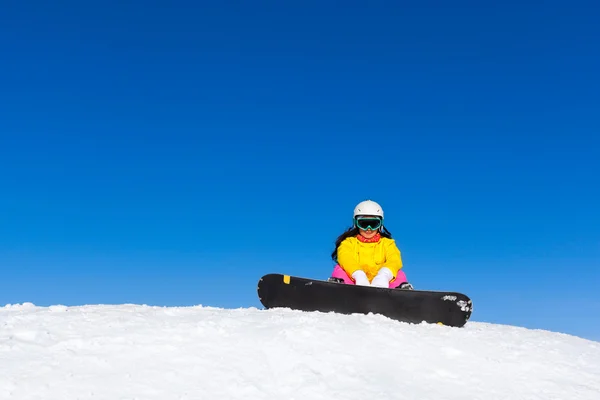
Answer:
[(414, 306)]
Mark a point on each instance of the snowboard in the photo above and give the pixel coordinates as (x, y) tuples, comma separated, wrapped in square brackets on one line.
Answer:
[(413, 306)]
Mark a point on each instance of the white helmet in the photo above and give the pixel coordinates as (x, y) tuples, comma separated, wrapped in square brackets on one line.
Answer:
[(368, 207)]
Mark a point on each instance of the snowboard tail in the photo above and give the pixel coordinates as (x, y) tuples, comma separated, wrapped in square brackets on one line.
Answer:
[(413, 306)]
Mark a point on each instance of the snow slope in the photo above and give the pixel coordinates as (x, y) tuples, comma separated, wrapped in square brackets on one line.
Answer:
[(141, 352)]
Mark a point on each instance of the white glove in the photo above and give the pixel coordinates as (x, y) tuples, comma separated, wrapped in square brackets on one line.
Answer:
[(361, 278), (383, 278)]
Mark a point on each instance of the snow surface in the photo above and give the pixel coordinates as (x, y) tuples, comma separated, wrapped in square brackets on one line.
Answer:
[(142, 352)]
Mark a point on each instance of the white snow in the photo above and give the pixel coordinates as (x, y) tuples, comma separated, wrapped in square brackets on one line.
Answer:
[(141, 352)]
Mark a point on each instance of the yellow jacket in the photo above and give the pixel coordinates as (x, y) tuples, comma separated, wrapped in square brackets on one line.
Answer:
[(352, 255)]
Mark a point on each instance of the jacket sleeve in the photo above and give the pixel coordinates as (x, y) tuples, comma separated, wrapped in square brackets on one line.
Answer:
[(393, 258), (347, 258)]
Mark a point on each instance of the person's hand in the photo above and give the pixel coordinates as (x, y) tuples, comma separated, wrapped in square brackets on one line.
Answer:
[(361, 278), (383, 278)]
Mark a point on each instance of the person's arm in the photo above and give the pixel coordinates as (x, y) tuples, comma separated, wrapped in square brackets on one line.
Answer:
[(346, 257), (393, 258)]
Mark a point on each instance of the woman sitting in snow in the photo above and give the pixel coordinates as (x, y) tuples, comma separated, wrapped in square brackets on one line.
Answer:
[(366, 254)]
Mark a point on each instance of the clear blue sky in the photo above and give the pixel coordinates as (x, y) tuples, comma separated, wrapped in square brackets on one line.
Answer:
[(170, 153)]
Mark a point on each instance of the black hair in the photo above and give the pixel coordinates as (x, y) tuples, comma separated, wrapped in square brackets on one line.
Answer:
[(353, 231)]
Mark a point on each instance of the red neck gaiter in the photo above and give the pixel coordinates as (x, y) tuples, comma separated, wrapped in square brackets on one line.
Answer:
[(372, 240)]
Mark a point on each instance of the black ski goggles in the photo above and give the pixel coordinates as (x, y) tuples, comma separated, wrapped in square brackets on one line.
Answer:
[(367, 223)]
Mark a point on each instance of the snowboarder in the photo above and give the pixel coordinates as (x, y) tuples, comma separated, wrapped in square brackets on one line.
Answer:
[(365, 254)]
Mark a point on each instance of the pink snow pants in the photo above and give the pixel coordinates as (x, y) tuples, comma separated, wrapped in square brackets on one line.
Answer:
[(338, 272)]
